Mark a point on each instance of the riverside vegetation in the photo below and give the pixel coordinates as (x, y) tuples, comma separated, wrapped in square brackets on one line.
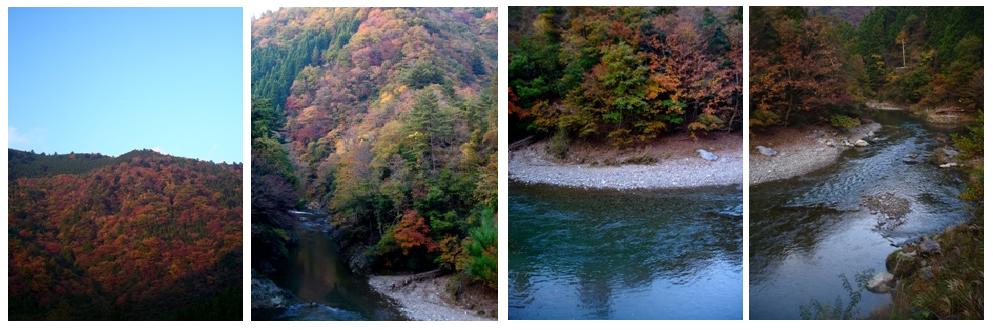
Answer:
[(623, 75), (616, 115), (385, 120), (836, 70), (619, 90)]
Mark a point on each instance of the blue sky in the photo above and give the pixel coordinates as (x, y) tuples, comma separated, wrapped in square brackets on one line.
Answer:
[(111, 80)]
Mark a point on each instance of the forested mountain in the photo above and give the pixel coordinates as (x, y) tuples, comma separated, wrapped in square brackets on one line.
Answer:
[(140, 236), (816, 63), (386, 118), (26, 164), (626, 75)]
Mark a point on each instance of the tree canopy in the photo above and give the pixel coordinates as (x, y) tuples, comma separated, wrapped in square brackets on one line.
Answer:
[(626, 75)]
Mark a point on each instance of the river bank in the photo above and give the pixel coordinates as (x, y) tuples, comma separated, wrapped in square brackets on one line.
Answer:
[(824, 237), (671, 162), (941, 277), (789, 152), (428, 299)]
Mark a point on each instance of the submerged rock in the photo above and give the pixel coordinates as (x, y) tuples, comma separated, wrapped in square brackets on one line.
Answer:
[(892, 209), (766, 151), (707, 155), (880, 283)]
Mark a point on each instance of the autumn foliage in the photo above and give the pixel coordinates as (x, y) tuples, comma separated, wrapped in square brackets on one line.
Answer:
[(626, 75), (388, 122), (814, 64), (411, 232), (147, 237)]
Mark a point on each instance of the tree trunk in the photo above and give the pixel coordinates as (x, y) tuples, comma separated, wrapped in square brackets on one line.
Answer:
[(903, 46)]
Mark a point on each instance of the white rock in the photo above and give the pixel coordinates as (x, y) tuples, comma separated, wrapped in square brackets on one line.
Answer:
[(766, 151), (880, 283)]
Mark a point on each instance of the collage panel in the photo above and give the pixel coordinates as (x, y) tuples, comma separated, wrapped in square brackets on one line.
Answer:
[(625, 163), (375, 140), (866, 163), (374, 164), (124, 164)]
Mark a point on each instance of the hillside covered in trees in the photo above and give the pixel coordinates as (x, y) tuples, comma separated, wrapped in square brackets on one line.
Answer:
[(384, 118), (815, 64), (624, 75), (141, 236)]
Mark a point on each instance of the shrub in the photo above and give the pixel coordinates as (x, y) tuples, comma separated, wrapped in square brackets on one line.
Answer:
[(558, 146), (842, 121)]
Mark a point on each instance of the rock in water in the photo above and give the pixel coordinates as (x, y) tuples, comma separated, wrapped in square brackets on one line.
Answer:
[(930, 246), (707, 155), (947, 165), (861, 143), (880, 283), (766, 151)]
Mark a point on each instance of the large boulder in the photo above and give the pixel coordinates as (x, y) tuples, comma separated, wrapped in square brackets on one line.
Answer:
[(766, 151), (707, 155)]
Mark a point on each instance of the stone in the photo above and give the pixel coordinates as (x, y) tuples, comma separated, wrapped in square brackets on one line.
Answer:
[(266, 295), (929, 246), (926, 273), (950, 152), (707, 155), (947, 165), (901, 264), (880, 283), (861, 143), (766, 151)]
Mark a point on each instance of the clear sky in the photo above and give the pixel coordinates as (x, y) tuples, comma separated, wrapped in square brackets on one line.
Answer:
[(111, 80)]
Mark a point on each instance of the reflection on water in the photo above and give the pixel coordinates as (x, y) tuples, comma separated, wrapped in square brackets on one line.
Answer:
[(806, 232), (589, 254), (316, 274)]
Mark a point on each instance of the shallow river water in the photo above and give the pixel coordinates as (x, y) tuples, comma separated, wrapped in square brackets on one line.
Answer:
[(599, 254), (810, 235)]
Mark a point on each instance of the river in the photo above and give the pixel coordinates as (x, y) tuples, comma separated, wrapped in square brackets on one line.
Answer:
[(644, 254), (316, 274), (810, 235)]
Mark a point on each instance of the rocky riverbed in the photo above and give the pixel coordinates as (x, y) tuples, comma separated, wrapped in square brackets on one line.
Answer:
[(428, 299), (674, 162), (790, 152)]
